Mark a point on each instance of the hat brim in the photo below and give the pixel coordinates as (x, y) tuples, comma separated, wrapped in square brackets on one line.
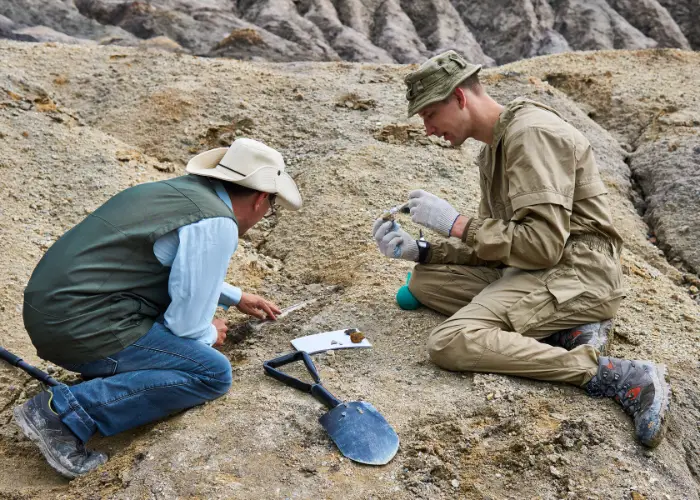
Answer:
[(427, 97), (205, 164)]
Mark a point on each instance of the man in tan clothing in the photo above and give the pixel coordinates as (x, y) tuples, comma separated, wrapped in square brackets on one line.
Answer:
[(539, 260)]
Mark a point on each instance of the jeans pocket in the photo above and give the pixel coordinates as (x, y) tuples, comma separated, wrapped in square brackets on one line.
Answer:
[(105, 367)]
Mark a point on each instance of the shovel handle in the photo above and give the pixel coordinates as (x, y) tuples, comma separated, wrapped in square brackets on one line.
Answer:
[(20, 363), (272, 365), (316, 389)]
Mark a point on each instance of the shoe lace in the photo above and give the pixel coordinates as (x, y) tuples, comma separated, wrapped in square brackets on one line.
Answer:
[(619, 387)]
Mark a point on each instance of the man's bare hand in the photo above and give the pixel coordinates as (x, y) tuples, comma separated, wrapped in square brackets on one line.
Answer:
[(254, 305), (221, 330)]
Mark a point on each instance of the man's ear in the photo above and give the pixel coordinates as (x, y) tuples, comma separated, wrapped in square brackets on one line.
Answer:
[(259, 199), (461, 96)]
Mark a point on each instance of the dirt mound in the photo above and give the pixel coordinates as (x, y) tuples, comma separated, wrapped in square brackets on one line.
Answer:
[(79, 123)]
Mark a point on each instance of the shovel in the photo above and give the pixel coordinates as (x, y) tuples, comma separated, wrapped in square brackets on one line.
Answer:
[(356, 427)]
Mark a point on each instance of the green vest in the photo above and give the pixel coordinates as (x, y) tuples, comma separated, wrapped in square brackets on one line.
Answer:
[(100, 288)]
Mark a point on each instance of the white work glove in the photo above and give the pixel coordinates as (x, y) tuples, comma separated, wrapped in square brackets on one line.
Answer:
[(432, 212), (393, 241)]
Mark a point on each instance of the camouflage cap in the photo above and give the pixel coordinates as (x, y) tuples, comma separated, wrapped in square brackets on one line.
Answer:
[(436, 79)]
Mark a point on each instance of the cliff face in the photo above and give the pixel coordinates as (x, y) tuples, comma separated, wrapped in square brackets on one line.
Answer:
[(380, 31)]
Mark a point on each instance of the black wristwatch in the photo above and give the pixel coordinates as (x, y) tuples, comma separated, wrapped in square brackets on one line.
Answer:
[(423, 249)]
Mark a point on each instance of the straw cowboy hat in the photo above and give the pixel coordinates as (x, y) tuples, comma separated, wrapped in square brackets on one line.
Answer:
[(251, 164)]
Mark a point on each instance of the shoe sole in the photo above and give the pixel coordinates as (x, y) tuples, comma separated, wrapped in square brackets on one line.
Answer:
[(29, 430), (662, 387)]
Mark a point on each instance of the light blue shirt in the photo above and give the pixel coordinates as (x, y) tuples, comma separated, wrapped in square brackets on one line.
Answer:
[(198, 256)]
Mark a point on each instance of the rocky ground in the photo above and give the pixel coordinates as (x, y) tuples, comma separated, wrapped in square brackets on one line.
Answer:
[(377, 31), (79, 123)]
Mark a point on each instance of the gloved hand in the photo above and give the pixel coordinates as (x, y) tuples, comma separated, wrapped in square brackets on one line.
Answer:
[(432, 212), (393, 241)]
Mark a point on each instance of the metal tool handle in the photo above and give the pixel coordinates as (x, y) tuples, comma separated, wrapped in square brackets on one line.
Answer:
[(270, 369), (316, 390), (34, 372)]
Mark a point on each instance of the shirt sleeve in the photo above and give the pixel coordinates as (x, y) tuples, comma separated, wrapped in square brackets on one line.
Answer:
[(541, 168), (230, 296), (196, 277), (534, 238)]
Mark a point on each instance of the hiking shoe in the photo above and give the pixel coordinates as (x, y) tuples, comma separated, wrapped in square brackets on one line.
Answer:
[(61, 448), (642, 390), (593, 334)]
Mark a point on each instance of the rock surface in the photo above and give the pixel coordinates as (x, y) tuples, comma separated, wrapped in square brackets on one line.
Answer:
[(79, 123), (378, 31)]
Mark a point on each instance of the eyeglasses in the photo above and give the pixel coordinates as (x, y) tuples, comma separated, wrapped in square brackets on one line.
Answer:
[(272, 211)]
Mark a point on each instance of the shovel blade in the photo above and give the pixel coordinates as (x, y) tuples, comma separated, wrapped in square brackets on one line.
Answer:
[(361, 433)]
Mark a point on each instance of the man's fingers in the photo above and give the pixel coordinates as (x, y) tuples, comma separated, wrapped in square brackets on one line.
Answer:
[(254, 311), (387, 241), (268, 310), (383, 229)]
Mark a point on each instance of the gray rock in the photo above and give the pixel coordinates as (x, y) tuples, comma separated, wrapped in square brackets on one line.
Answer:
[(668, 171), (593, 24), (281, 18), (46, 34), (513, 29), (687, 14), (395, 31), (441, 28), (652, 19), (379, 31), (349, 43), (57, 15)]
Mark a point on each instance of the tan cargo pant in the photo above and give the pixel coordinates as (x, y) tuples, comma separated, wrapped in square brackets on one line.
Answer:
[(499, 315)]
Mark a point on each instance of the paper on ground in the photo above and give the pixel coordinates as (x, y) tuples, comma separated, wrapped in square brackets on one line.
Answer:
[(326, 341)]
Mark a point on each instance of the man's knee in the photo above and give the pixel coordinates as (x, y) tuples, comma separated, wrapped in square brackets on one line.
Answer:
[(220, 376), (416, 283), (426, 283), (452, 347)]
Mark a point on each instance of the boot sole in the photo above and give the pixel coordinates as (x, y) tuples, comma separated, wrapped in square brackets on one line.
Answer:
[(662, 387), (29, 430)]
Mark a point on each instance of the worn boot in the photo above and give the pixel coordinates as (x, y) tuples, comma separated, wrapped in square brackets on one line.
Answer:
[(61, 448), (642, 390), (593, 334)]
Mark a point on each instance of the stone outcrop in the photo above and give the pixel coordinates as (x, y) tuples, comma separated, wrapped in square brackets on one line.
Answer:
[(380, 31)]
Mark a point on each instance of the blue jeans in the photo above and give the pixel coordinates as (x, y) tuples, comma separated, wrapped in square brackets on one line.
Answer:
[(156, 376)]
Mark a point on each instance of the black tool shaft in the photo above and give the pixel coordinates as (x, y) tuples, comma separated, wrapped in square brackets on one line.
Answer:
[(324, 396), (20, 363)]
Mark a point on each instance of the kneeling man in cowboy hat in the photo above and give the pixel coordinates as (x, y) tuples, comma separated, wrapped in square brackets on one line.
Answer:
[(126, 298)]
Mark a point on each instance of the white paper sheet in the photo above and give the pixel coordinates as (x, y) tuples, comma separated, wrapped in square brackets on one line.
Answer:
[(327, 341)]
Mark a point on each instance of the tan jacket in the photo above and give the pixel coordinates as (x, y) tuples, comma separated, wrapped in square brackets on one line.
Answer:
[(539, 185)]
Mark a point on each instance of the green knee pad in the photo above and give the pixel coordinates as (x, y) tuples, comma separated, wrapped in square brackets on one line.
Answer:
[(405, 298)]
